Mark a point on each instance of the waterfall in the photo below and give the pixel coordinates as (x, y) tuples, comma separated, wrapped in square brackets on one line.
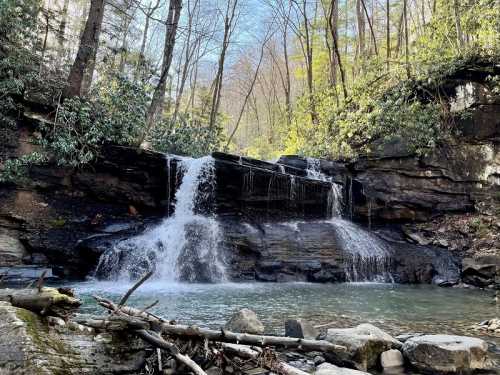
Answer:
[(184, 246), (334, 200), (368, 257)]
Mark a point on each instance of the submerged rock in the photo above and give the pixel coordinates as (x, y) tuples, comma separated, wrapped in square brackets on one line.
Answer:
[(329, 369), (447, 353), (245, 321), (364, 344)]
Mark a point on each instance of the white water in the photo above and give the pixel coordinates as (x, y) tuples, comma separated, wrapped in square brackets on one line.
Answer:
[(369, 258), (334, 201), (184, 246)]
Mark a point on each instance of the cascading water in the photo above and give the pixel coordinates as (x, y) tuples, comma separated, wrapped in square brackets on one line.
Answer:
[(184, 246), (368, 257)]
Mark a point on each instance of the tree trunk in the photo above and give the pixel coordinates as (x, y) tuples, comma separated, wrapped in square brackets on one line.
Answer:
[(62, 29), (217, 84), (89, 43), (388, 32), (407, 48), (458, 25), (370, 27), (361, 29), (156, 107), (333, 19)]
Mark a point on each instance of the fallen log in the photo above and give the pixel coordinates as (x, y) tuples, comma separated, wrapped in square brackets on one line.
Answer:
[(232, 337), (43, 301)]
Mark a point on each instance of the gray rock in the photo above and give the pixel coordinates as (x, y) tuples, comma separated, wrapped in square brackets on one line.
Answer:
[(301, 329), (364, 344), (480, 272), (447, 353), (12, 250), (29, 346), (329, 369), (246, 321), (391, 358), (406, 336)]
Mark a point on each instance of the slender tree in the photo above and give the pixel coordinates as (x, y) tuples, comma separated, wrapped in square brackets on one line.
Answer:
[(89, 43), (157, 102), (230, 17)]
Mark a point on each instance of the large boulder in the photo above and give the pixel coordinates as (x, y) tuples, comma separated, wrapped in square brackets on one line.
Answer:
[(364, 344), (29, 346), (329, 369), (245, 321), (447, 353)]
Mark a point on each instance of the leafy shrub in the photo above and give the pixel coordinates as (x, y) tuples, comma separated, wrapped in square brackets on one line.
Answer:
[(114, 113), (187, 135)]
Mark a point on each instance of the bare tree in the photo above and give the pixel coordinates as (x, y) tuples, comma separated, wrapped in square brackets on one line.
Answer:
[(249, 92), (333, 20), (157, 102), (89, 43), (407, 48), (62, 28), (230, 18), (148, 14), (388, 32), (458, 25)]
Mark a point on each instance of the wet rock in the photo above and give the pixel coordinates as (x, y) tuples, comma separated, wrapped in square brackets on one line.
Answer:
[(301, 329), (245, 321), (447, 353), (364, 343), (329, 369), (391, 358), (28, 346)]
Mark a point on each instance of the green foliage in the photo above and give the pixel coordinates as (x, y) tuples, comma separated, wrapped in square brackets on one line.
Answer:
[(189, 134), (16, 170), (113, 113), (18, 64)]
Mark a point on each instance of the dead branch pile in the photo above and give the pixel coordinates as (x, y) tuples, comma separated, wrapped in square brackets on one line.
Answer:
[(192, 349)]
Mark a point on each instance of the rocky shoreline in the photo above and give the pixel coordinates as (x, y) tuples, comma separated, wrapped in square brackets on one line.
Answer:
[(53, 340)]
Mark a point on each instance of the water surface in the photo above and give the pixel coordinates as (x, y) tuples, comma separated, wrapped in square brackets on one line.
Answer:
[(395, 308)]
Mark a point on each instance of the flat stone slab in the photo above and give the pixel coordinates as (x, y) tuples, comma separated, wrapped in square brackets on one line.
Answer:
[(447, 353)]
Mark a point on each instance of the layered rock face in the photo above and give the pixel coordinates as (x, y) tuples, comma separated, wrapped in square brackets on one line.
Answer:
[(273, 218)]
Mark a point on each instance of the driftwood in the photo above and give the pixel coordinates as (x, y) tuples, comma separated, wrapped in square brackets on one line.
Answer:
[(227, 336), (219, 345), (43, 300), (267, 359), (157, 340)]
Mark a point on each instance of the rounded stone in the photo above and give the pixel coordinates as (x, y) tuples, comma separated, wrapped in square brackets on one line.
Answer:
[(245, 321), (391, 358)]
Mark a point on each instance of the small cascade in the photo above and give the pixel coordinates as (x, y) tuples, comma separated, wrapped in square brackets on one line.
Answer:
[(314, 169), (184, 246), (334, 201), (368, 257)]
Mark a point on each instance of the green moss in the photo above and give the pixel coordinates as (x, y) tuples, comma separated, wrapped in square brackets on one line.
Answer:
[(45, 342), (58, 223)]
